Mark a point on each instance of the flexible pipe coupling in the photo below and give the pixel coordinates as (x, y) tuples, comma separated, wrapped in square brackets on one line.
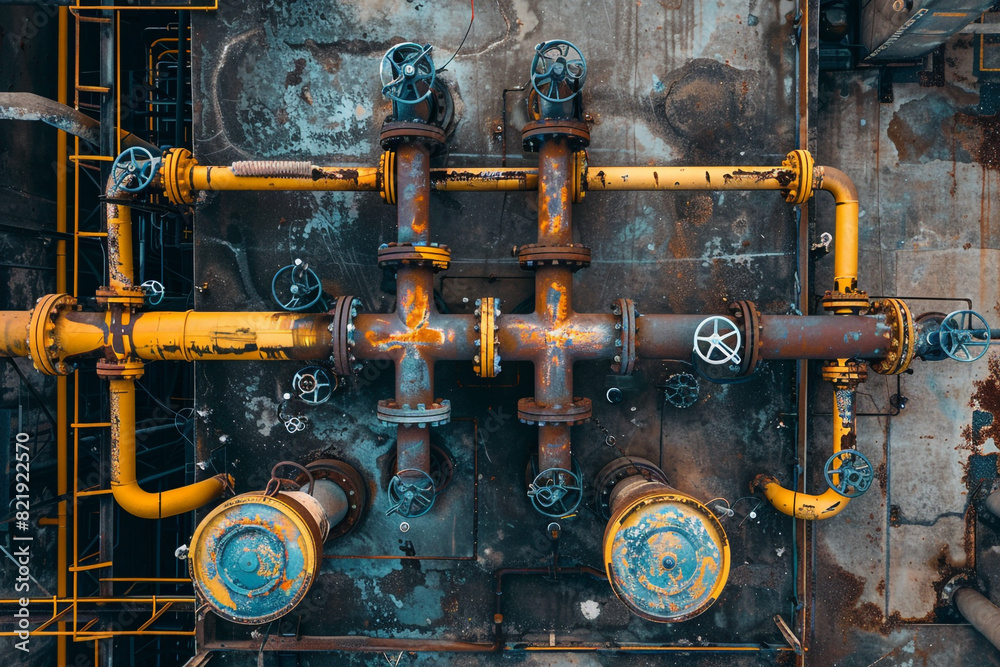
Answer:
[(272, 169)]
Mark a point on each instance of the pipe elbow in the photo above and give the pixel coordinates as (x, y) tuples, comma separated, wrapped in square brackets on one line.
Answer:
[(801, 505), (143, 504), (838, 184)]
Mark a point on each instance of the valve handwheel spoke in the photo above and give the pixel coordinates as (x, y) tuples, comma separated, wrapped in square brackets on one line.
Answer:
[(403, 67), (314, 385), (135, 169), (849, 473), (411, 493), (556, 492), (964, 335), (707, 346), (557, 62), (296, 287)]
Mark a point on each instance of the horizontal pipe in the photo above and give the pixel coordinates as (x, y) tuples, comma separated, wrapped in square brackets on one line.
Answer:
[(124, 484), (14, 333), (483, 179), (307, 643), (440, 338), (688, 178), (781, 336), (190, 336), (579, 336), (359, 179), (493, 179)]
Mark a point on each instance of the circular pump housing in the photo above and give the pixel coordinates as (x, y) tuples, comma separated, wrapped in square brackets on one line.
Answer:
[(666, 554), (255, 556)]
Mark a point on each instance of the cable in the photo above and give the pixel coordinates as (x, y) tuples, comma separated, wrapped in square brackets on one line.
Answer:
[(462, 43)]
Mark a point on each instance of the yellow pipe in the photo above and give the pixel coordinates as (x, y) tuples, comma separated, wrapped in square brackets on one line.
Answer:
[(689, 178), (845, 266), (124, 484), (188, 336), (322, 178), (142, 599), (14, 333), (804, 505), (119, 241), (62, 386), (177, 336)]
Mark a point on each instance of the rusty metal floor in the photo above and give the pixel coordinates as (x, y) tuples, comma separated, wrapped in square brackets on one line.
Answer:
[(299, 80)]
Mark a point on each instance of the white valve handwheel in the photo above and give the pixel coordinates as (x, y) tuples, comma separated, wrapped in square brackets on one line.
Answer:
[(717, 347)]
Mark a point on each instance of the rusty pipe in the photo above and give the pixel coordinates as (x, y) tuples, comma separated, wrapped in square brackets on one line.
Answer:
[(119, 220), (414, 304), (553, 316), (483, 179), (807, 506), (781, 336), (32, 107), (442, 338), (124, 484), (980, 612), (190, 335)]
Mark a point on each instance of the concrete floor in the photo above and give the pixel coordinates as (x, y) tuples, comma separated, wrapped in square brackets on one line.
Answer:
[(678, 83)]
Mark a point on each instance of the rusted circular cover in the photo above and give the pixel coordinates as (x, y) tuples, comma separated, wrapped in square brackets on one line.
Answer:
[(574, 255), (666, 556), (254, 557), (537, 131), (342, 328)]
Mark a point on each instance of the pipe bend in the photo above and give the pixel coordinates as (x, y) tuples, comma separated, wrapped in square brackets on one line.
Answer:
[(800, 505), (804, 505), (837, 183), (124, 485)]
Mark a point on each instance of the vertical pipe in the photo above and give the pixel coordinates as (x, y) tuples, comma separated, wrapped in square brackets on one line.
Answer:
[(413, 188), (980, 612), (120, 265), (800, 530), (182, 32), (62, 440), (554, 299), (414, 302), (555, 213)]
